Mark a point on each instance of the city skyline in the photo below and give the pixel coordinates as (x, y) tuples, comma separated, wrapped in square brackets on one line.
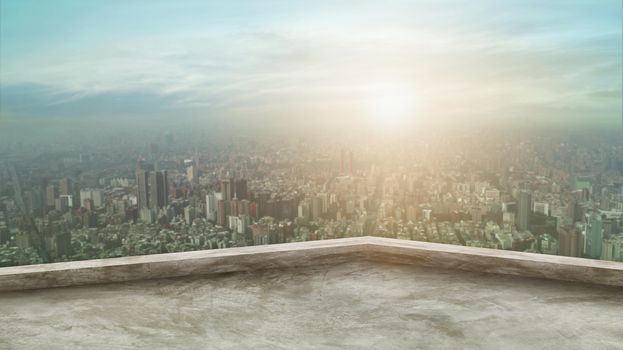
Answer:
[(557, 194)]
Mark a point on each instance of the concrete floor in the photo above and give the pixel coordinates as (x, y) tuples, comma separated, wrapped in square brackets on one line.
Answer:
[(350, 306)]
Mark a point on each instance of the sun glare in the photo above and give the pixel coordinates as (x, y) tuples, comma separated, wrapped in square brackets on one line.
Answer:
[(391, 107)]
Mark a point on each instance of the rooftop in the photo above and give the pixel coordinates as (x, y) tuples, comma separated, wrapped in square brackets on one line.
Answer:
[(351, 293)]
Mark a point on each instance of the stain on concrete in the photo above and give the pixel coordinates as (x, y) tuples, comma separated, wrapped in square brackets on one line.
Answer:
[(354, 305)]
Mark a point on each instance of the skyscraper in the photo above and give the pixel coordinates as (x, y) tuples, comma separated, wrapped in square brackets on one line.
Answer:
[(152, 187), (240, 189), (227, 189), (165, 188), (142, 183), (233, 207), (158, 193), (211, 206), (222, 212), (524, 204)]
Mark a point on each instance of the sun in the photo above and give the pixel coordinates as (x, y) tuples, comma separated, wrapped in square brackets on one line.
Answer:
[(391, 107)]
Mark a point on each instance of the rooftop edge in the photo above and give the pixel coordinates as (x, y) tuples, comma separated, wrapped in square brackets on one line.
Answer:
[(301, 254)]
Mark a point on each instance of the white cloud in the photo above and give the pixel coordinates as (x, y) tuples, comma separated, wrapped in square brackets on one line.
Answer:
[(462, 69)]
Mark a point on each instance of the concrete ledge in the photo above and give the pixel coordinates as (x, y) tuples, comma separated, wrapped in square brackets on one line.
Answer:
[(310, 253), (496, 261)]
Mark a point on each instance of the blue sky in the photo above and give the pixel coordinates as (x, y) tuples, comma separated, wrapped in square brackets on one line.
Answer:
[(287, 61)]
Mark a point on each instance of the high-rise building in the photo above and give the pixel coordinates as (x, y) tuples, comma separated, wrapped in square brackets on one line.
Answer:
[(50, 195), (142, 183), (65, 186), (158, 189), (233, 207), (240, 189), (524, 204), (244, 223), (232, 223), (593, 235), (40, 192), (211, 207), (164, 193), (192, 174), (227, 189), (222, 212), (96, 195), (570, 241), (152, 186)]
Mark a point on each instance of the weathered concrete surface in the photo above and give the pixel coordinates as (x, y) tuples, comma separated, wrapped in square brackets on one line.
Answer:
[(353, 305), (308, 254)]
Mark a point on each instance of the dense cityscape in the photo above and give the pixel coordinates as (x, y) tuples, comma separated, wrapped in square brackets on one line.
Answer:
[(550, 193)]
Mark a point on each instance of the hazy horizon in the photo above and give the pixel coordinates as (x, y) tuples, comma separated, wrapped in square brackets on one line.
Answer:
[(362, 65)]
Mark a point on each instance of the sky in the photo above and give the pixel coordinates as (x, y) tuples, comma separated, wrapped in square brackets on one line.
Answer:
[(375, 63)]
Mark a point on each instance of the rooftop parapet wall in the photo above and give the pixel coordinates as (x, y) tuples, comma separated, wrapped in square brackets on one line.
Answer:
[(310, 253)]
